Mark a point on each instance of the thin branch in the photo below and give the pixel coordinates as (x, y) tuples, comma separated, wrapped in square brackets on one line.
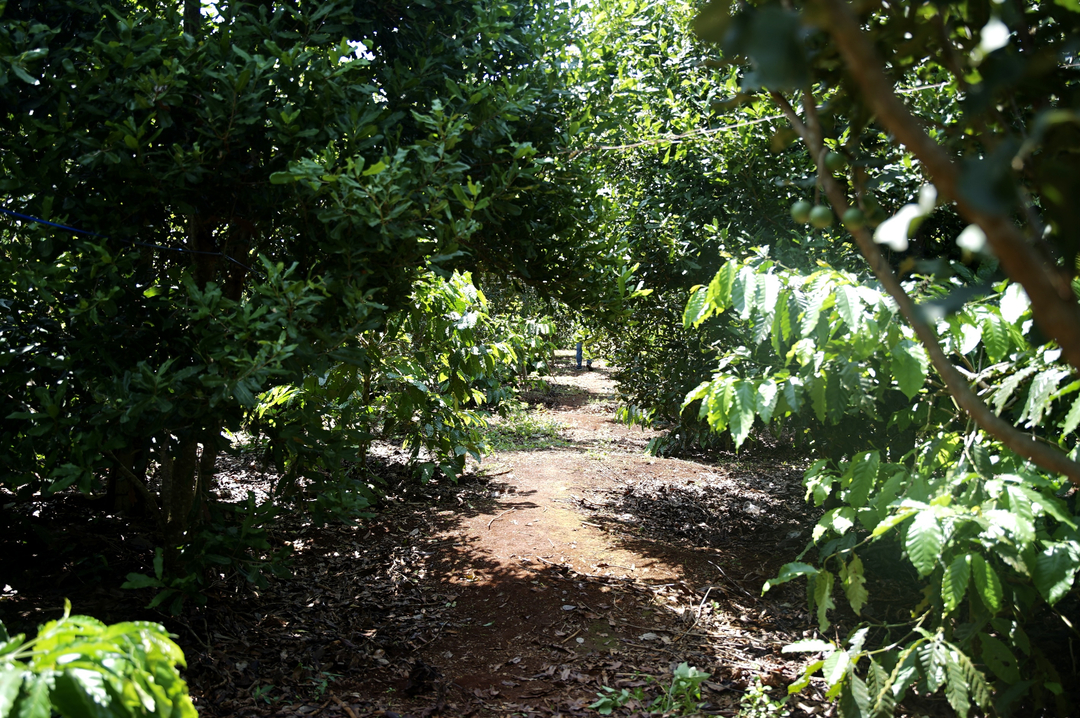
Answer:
[(1023, 444), (1052, 301)]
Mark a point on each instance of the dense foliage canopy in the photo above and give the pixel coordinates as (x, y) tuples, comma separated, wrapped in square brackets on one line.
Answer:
[(963, 468), (256, 198), (274, 217)]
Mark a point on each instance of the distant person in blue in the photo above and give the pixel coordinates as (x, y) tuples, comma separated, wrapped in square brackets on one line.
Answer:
[(588, 362)]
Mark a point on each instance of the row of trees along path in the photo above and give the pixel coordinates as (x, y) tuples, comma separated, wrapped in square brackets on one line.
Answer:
[(551, 571)]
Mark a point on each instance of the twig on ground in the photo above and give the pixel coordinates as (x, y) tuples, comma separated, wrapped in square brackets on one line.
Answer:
[(504, 513), (344, 706), (732, 582)]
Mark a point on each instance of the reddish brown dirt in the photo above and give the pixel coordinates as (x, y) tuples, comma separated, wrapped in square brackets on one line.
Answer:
[(547, 579), (525, 589)]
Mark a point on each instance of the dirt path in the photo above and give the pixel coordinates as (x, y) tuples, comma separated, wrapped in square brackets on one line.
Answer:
[(529, 587)]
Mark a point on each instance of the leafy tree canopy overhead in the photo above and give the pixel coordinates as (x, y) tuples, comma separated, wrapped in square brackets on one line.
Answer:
[(256, 187)]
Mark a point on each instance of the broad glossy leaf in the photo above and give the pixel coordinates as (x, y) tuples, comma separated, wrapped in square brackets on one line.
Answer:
[(909, 366), (995, 337), (987, 583), (772, 38), (836, 667), (767, 396), (35, 702), (854, 582), (997, 656), (1072, 420), (788, 572), (812, 313), (744, 292), (956, 688), (864, 470), (1043, 386), (849, 306), (11, 679), (924, 540), (1054, 571), (933, 655), (804, 679), (823, 587), (1014, 302), (696, 308), (954, 582), (742, 412)]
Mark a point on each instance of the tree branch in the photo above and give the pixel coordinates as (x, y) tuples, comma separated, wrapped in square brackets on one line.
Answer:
[(1052, 301), (1048, 457)]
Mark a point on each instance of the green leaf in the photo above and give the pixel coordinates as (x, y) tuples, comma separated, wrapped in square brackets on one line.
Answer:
[(933, 655), (909, 366), (767, 397), (139, 580), (924, 540), (995, 336), (954, 582), (855, 698), (976, 681), (1072, 420), (793, 394), (376, 169), (812, 313), (788, 572), (11, 678), (1014, 302), (1043, 386), (956, 688), (783, 316), (721, 286), (836, 667), (879, 682), (744, 292), (742, 412), (244, 396), (79, 692), (849, 305), (23, 74), (1008, 387), (807, 674), (282, 178), (700, 392), (1054, 571), (987, 583), (854, 582), (864, 470), (35, 702), (772, 38), (891, 521), (819, 387), (999, 659), (697, 309), (823, 586)]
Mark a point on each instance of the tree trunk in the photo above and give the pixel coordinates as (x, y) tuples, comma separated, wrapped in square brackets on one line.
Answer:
[(122, 496), (178, 485)]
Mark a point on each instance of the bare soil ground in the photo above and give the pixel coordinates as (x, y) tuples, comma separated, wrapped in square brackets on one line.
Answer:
[(541, 578), (526, 588)]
